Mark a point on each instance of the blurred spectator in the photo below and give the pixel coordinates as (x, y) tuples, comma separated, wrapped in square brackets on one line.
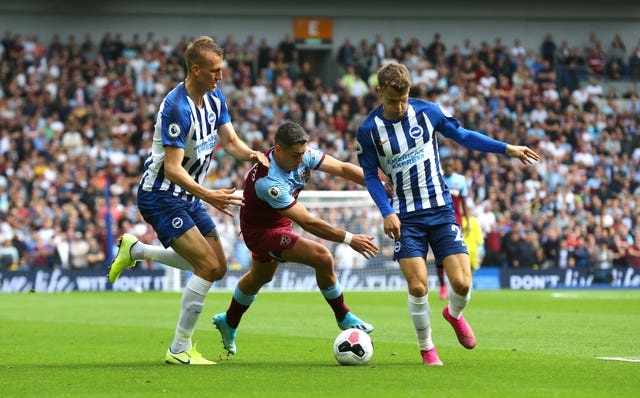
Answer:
[(594, 89), (548, 50), (9, 255), (494, 256), (381, 47), (604, 257), (95, 255), (551, 243), (79, 252), (634, 61), (595, 61), (632, 254), (617, 54), (619, 246), (346, 55), (603, 263), (287, 47), (435, 49), (517, 50), (581, 255)]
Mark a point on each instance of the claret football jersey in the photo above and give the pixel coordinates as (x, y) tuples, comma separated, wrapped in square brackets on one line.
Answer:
[(268, 189)]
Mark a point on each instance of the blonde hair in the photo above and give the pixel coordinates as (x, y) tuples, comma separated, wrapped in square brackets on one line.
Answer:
[(394, 75), (194, 54)]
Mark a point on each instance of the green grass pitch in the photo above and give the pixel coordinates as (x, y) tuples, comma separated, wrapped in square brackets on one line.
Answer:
[(530, 344)]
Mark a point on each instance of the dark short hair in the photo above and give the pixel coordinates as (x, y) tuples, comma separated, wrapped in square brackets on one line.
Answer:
[(291, 133)]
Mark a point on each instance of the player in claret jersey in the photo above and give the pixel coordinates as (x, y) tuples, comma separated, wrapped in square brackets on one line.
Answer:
[(399, 137), (270, 208), (458, 189)]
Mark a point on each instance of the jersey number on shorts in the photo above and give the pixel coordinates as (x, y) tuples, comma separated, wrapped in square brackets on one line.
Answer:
[(459, 238)]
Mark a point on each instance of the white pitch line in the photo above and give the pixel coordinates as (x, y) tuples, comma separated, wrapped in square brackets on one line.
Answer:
[(591, 294), (565, 295), (622, 359)]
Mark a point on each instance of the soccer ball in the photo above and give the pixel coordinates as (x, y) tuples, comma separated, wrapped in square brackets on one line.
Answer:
[(353, 347)]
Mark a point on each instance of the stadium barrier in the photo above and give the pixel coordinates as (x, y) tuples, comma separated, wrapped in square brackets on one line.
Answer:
[(571, 278), (295, 277), (57, 281)]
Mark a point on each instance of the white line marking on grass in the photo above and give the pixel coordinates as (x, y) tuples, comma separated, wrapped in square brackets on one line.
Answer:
[(591, 294), (632, 359), (564, 295)]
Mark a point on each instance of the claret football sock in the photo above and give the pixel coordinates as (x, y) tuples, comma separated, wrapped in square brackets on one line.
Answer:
[(240, 303), (335, 298)]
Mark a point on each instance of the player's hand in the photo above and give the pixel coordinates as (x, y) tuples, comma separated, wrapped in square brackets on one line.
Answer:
[(257, 156), (392, 226), (524, 153), (221, 199), (364, 245)]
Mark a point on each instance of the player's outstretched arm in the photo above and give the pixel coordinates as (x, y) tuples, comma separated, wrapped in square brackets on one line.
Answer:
[(342, 169), (237, 148), (524, 153), (221, 199), (361, 243)]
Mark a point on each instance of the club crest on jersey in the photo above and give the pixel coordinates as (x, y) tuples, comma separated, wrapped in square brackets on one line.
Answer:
[(274, 192), (416, 132), (211, 118), (305, 174), (174, 130), (285, 240), (177, 223)]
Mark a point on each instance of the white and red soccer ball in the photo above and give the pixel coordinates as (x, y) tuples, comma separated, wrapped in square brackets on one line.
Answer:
[(353, 347)]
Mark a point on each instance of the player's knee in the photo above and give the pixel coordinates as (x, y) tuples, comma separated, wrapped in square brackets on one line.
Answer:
[(461, 287), (215, 271), (262, 278), (417, 289), (220, 271), (323, 260)]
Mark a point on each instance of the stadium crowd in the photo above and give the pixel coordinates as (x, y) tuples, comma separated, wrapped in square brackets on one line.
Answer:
[(77, 116)]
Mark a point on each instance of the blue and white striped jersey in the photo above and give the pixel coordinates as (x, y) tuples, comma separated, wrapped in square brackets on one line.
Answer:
[(180, 123), (407, 151)]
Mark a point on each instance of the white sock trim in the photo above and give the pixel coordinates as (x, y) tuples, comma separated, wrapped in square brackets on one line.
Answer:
[(199, 285), (458, 303), (419, 300), (161, 255)]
